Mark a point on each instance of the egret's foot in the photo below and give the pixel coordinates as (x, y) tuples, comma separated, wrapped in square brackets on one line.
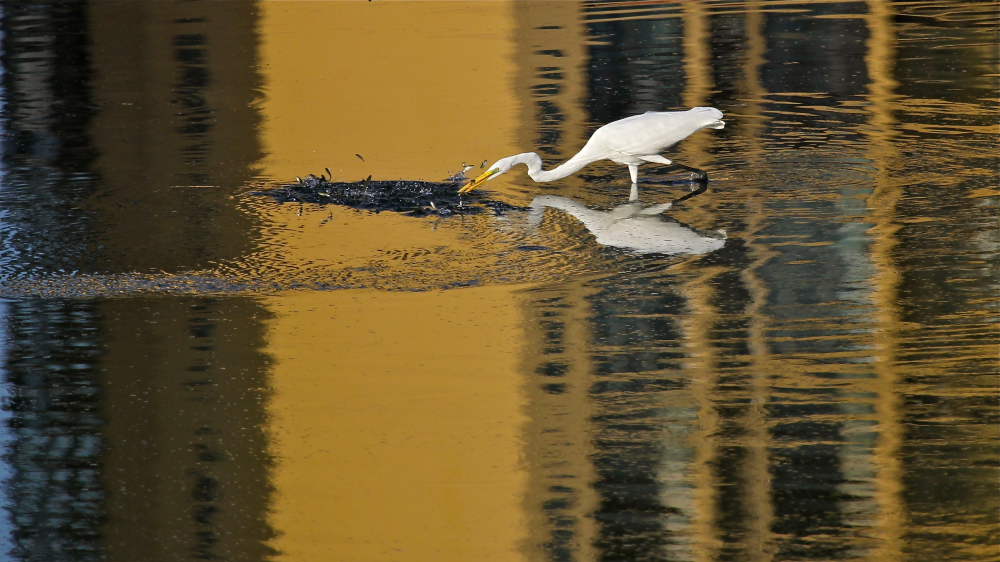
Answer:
[(697, 175)]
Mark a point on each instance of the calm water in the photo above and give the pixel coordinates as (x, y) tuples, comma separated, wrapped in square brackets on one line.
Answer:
[(190, 371)]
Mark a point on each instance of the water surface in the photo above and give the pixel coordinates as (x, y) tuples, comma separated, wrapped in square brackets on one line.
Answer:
[(193, 372)]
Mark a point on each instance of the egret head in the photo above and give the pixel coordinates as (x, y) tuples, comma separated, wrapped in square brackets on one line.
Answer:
[(712, 116), (501, 166)]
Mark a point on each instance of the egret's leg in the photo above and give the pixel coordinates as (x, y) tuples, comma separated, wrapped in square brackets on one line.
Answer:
[(657, 159), (633, 170), (633, 194)]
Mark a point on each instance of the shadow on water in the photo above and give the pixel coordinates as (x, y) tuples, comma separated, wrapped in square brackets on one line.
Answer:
[(796, 364)]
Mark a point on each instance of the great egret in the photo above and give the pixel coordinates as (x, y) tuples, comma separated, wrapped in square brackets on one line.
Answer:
[(632, 141)]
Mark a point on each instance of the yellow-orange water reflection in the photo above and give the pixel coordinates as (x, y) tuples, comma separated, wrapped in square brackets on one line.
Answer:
[(396, 421), (412, 87), (396, 417)]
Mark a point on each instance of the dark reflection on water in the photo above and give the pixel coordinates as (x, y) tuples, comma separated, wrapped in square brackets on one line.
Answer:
[(48, 156), (780, 398), (112, 165), (133, 429), (55, 495), (187, 458)]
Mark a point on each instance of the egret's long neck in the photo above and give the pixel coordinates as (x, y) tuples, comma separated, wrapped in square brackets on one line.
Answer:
[(534, 164)]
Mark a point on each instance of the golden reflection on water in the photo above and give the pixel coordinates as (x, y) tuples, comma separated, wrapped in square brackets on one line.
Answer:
[(396, 417), (414, 88), (396, 422)]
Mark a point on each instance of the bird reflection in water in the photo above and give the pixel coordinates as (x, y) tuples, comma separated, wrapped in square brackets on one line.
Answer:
[(634, 227)]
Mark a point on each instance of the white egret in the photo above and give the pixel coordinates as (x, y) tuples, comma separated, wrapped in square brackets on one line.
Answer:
[(632, 141)]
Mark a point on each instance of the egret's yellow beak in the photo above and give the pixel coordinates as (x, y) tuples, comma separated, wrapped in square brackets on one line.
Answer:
[(478, 181)]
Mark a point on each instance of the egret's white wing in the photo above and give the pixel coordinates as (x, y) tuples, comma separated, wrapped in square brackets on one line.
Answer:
[(652, 132)]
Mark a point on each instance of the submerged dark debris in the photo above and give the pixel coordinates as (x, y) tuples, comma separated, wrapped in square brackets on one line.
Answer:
[(410, 197)]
